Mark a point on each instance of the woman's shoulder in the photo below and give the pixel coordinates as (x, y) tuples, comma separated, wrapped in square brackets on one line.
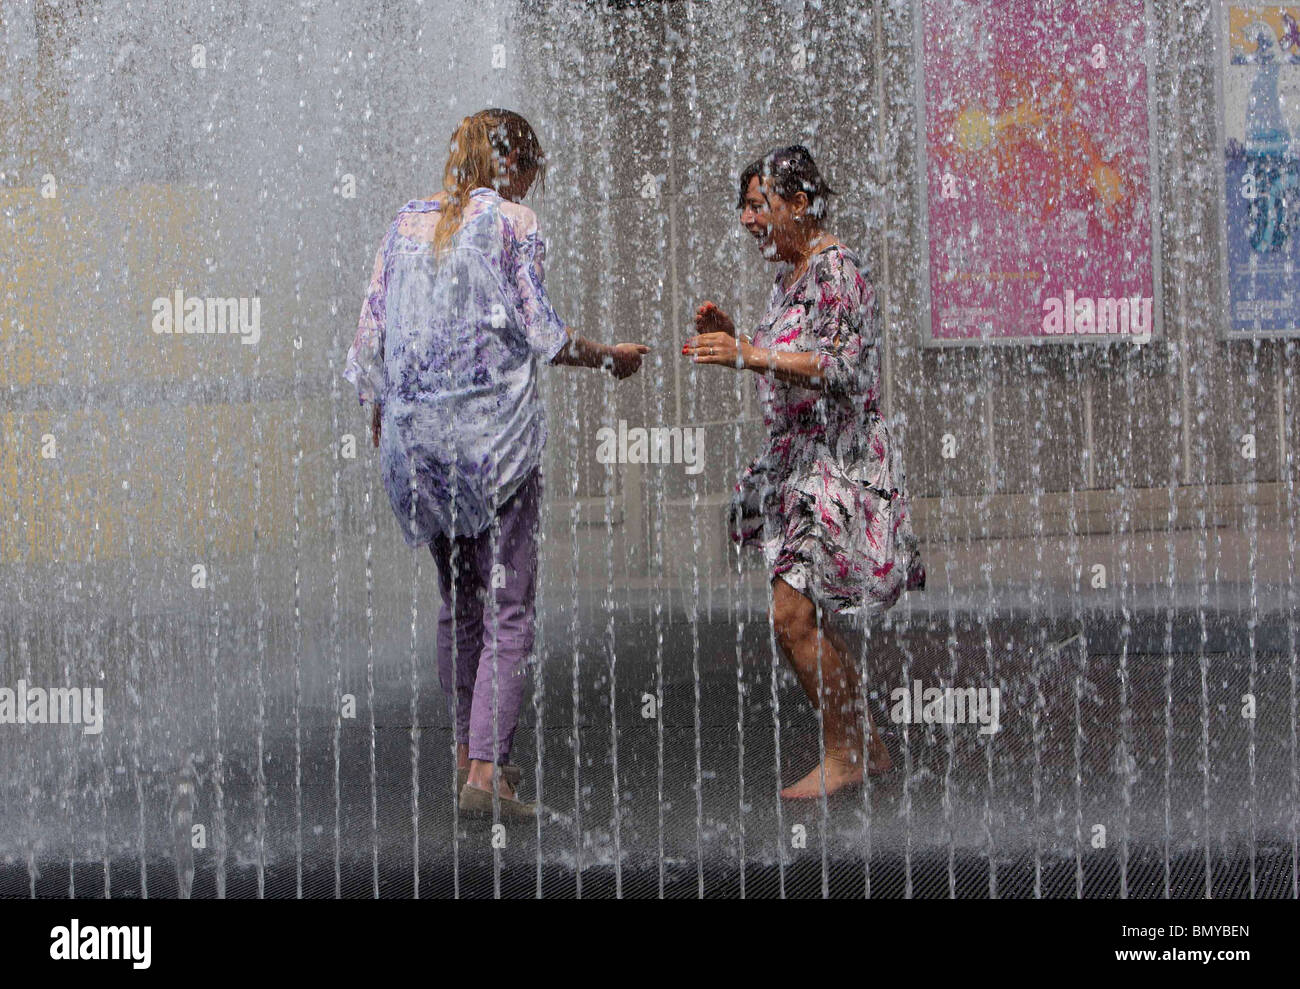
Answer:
[(522, 220), (835, 258), (415, 213), (838, 264), (422, 205)]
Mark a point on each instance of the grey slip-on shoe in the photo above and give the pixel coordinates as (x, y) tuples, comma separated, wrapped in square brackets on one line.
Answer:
[(476, 801)]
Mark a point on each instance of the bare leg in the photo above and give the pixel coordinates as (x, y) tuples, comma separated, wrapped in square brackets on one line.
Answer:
[(878, 760), (822, 665), (462, 755)]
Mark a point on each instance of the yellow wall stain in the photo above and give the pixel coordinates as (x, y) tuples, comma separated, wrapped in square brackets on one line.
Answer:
[(1241, 17)]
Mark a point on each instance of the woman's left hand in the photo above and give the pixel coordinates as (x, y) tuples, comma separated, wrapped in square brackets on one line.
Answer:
[(720, 348)]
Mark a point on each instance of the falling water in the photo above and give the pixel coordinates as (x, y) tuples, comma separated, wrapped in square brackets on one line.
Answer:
[(297, 621), (415, 706), (223, 173), (336, 639), (1252, 620), (1290, 438), (455, 560), (608, 323), (370, 708)]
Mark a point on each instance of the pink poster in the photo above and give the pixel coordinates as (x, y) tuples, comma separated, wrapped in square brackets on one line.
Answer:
[(1038, 170)]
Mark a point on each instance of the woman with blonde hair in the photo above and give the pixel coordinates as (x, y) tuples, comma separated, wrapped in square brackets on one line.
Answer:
[(454, 326)]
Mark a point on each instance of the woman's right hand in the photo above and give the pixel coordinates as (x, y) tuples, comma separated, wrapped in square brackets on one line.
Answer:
[(624, 359), (710, 319)]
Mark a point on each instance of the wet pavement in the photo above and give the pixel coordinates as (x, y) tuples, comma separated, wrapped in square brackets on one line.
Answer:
[(1126, 761)]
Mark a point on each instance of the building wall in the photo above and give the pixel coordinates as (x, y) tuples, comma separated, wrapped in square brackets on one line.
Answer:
[(690, 92), (225, 180)]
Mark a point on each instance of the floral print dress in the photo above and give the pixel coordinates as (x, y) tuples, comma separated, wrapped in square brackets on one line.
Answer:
[(825, 499), (451, 346)]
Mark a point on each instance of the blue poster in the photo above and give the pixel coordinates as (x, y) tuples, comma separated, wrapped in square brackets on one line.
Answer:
[(1261, 131)]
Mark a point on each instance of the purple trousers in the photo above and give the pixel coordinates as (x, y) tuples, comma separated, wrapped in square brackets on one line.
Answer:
[(493, 579)]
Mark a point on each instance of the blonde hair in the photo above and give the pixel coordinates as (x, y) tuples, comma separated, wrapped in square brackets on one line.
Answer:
[(478, 146)]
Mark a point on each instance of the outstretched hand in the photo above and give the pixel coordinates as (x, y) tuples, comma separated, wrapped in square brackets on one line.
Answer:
[(716, 341), (710, 319), (624, 359)]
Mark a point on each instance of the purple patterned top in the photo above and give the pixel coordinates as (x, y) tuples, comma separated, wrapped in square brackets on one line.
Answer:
[(451, 347)]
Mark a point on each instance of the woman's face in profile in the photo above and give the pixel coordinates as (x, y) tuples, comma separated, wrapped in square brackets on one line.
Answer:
[(768, 218)]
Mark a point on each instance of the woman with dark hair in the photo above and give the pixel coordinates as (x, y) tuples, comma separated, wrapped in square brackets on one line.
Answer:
[(824, 499), (455, 324)]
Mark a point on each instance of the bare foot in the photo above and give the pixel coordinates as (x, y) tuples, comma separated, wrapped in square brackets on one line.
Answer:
[(842, 769), (878, 760)]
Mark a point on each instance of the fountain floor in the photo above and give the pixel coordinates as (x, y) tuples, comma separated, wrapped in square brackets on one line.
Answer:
[(962, 813)]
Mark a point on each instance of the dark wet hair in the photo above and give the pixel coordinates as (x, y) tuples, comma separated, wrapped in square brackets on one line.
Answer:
[(792, 170)]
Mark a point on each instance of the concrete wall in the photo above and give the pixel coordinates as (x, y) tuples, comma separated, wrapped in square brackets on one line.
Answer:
[(226, 180)]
